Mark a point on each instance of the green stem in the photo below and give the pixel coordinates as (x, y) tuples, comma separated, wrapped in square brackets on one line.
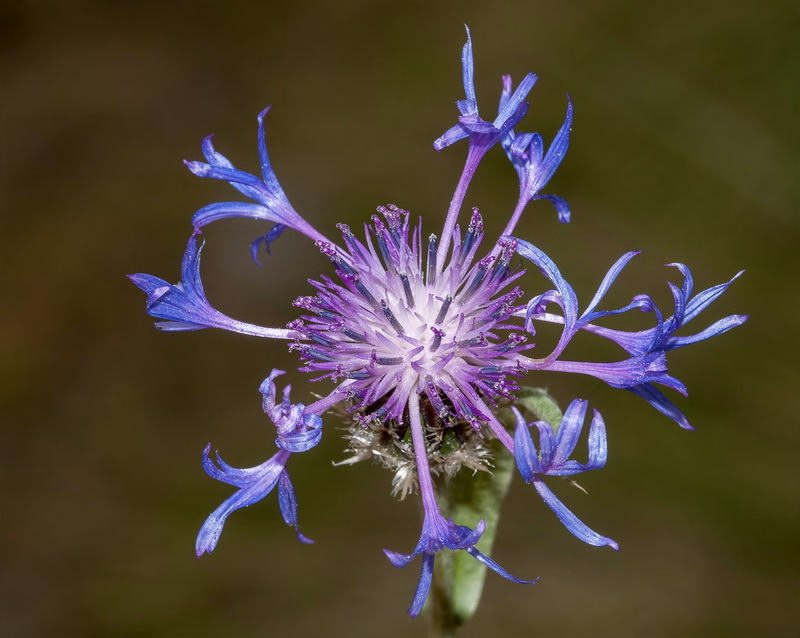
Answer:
[(442, 613)]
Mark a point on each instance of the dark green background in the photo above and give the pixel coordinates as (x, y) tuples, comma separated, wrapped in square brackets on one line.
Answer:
[(684, 145)]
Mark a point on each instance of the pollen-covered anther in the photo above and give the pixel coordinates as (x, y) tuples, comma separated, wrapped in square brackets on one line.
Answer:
[(437, 339)]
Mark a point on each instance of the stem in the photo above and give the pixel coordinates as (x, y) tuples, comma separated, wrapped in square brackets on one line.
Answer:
[(474, 156), (442, 612), (512, 223)]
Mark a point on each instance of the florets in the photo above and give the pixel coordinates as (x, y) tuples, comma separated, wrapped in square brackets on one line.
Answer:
[(422, 341)]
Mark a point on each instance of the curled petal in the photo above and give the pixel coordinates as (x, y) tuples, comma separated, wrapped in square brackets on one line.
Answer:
[(267, 239), (271, 201), (569, 431), (561, 206), (184, 306), (549, 269), (303, 440), (716, 328), (558, 444)]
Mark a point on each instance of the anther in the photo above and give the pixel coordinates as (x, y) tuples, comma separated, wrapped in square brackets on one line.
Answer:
[(431, 276), (391, 318), (407, 289), (437, 339), (443, 311)]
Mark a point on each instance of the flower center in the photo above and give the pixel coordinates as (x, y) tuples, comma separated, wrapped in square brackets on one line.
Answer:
[(393, 326)]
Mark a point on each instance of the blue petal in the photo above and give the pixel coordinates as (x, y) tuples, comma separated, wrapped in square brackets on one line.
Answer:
[(705, 298), (579, 529), (609, 279), (288, 504), (451, 136), (511, 106), (300, 441), (568, 432), (267, 239), (717, 328), (524, 449), (495, 567), (212, 156), (399, 560), (467, 66), (423, 587), (557, 151), (598, 443), (221, 471), (223, 210), (656, 398), (266, 168), (261, 485), (562, 208), (247, 184)]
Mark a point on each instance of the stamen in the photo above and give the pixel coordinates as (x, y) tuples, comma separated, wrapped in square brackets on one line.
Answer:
[(474, 231), (390, 361), (407, 290), (432, 392), (319, 355), (513, 341), (350, 239), (431, 276), (501, 267), (480, 340), (491, 370), (391, 318), (365, 293), (483, 266), (355, 336), (323, 341), (358, 375), (443, 311), (437, 339)]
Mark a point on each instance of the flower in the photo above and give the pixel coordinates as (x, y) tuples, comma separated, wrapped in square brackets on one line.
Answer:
[(298, 431), (553, 460), (421, 343)]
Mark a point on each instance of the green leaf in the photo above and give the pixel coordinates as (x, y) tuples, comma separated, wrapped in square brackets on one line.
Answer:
[(540, 404), (469, 498)]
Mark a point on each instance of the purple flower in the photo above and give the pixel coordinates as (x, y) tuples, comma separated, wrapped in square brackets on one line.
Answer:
[(552, 459), (420, 340)]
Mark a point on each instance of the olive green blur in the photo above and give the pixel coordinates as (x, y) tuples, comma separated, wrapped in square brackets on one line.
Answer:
[(685, 146)]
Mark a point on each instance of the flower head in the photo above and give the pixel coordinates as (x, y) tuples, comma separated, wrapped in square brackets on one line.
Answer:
[(420, 340)]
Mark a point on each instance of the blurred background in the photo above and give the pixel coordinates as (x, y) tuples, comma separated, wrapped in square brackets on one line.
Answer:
[(684, 145)]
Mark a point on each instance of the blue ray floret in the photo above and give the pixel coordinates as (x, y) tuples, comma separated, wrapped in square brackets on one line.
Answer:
[(419, 340), (298, 431), (184, 306), (552, 459), (535, 167), (481, 133)]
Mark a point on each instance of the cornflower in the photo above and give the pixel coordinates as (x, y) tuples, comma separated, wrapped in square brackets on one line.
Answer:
[(421, 341)]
